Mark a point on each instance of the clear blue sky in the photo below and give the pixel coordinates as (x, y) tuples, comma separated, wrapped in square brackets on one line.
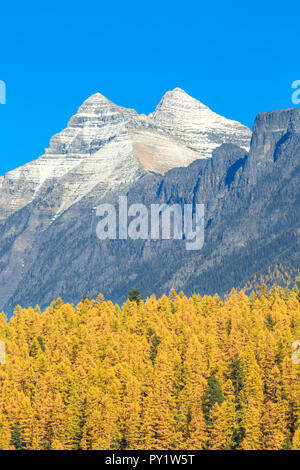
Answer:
[(239, 58)]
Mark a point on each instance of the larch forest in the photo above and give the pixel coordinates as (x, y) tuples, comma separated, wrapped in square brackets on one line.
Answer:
[(168, 373)]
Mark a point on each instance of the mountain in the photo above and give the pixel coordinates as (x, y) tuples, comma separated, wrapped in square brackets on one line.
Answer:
[(105, 144), (184, 118), (48, 243)]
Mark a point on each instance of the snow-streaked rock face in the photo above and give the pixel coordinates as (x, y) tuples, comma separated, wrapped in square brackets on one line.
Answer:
[(109, 145), (202, 130)]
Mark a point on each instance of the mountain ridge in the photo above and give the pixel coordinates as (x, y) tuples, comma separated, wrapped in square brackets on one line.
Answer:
[(97, 122), (252, 223)]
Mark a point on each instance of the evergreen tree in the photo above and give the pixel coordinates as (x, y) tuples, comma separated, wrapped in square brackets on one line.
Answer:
[(213, 394), (16, 438), (134, 295)]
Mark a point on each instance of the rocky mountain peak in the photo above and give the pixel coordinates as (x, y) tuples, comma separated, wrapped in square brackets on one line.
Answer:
[(195, 124), (104, 142), (179, 98)]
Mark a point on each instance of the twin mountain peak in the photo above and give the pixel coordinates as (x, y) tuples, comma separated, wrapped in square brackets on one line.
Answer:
[(108, 145)]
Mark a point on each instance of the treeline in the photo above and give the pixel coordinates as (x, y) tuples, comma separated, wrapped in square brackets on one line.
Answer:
[(169, 373)]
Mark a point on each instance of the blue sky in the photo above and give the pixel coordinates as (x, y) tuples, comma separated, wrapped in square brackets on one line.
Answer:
[(239, 59)]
